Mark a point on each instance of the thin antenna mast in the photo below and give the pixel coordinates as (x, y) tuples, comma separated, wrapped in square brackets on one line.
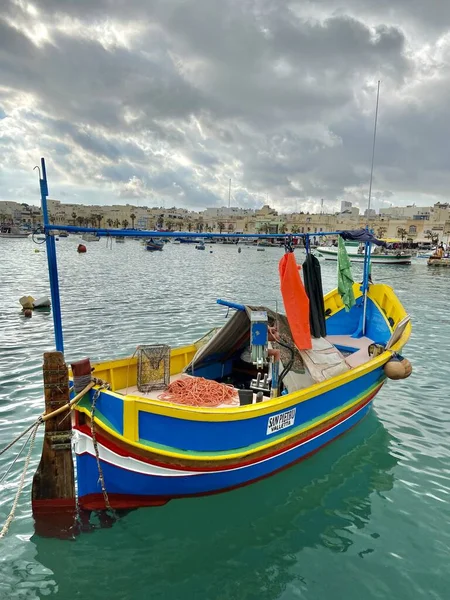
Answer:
[(366, 275), (373, 151)]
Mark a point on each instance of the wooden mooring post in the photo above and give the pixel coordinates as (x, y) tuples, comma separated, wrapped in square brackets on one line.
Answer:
[(53, 492)]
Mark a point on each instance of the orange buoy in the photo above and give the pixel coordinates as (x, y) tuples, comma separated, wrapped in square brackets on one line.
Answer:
[(81, 248)]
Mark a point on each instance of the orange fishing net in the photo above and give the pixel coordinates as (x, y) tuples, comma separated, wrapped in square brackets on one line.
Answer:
[(197, 391)]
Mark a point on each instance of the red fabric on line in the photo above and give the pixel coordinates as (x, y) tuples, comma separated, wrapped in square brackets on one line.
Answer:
[(295, 300)]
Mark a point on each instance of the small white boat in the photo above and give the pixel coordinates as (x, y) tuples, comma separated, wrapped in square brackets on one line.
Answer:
[(90, 237), (120, 240), (10, 232), (380, 256)]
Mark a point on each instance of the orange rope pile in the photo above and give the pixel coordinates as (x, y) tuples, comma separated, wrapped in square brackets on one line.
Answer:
[(197, 391)]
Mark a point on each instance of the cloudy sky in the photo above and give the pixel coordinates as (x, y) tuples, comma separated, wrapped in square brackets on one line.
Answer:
[(160, 102)]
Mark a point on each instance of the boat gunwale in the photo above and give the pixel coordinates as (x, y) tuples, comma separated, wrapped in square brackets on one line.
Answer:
[(237, 413)]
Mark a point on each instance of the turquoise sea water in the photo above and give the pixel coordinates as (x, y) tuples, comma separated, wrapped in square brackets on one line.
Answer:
[(367, 517)]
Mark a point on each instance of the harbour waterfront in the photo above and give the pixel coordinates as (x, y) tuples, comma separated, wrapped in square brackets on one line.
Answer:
[(365, 516)]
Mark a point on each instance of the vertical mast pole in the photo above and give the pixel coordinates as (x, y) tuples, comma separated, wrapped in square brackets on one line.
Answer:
[(52, 263)]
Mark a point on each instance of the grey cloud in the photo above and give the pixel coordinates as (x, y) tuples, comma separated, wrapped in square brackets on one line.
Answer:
[(248, 89)]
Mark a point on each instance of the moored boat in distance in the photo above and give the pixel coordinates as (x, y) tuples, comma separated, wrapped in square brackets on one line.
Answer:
[(152, 246), (11, 232), (90, 237), (355, 251)]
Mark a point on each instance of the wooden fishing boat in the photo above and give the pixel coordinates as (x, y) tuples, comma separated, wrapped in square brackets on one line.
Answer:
[(254, 397), (153, 246), (151, 450)]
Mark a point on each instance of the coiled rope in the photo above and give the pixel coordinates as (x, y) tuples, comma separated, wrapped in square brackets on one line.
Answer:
[(198, 391)]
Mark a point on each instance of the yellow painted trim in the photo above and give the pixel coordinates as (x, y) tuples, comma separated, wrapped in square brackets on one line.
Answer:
[(130, 422), (238, 413), (231, 455)]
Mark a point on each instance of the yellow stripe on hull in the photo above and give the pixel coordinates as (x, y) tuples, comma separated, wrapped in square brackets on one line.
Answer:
[(230, 455)]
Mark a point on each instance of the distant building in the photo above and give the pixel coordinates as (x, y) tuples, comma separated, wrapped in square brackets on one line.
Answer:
[(346, 206)]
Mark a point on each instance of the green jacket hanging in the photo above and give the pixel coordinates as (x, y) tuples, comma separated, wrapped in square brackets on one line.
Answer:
[(345, 278)]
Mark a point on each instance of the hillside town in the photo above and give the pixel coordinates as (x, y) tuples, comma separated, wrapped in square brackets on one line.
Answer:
[(409, 224)]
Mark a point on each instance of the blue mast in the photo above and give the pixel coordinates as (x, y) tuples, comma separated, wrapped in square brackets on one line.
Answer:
[(51, 261)]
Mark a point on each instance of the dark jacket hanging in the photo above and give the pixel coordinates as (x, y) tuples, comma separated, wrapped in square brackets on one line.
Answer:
[(313, 285)]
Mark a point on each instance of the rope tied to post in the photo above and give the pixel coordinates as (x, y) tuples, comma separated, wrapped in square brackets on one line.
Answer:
[(33, 428)]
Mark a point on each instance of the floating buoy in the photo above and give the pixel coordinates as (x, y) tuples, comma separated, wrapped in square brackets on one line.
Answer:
[(28, 313), (398, 368), (81, 248), (239, 250), (27, 302)]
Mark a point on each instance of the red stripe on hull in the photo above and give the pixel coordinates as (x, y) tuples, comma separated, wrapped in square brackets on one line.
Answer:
[(125, 501), (121, 452)]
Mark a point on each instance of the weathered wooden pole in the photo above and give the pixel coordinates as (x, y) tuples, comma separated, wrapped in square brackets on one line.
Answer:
[(53, 492)]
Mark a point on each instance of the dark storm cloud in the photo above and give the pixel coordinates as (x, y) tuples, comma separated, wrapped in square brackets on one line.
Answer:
[(172, 97)]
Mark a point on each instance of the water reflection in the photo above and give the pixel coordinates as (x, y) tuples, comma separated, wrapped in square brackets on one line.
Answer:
[(243, 544)]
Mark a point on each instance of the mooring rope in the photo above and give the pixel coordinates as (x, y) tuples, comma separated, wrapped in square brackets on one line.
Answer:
[(45, 417), (12, 512), (20, 436), (19, 454), (31, 439)]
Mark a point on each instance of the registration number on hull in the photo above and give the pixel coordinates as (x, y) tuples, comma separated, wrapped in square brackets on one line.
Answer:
[(281, 421)]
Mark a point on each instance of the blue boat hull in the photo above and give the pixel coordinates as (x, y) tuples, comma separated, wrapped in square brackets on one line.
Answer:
[(129, 487)]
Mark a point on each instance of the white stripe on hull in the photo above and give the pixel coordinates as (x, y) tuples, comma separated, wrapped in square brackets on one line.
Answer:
[(83, 444)]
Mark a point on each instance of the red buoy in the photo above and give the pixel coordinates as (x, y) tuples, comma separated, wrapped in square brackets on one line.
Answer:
[(81, 248)]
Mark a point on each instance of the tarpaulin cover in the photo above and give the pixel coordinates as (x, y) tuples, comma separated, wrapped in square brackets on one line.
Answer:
[(313, 285), (361, 235), (295, 300)]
